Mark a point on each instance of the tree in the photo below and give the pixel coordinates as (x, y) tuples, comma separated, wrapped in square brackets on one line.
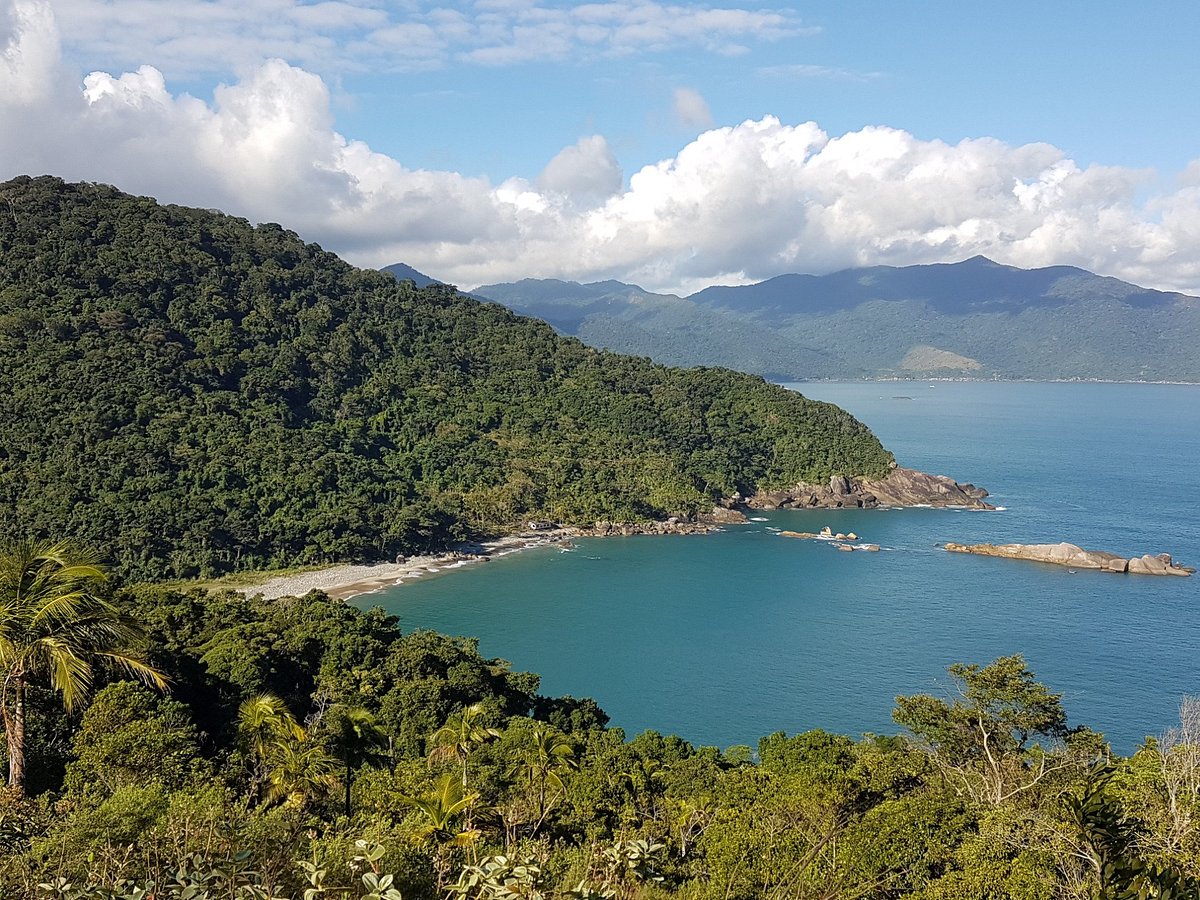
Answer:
[(983, 740), (1108, 837), (357, 741), (263, 721), (54, 627), (1179, 767), (460, 736), (438, 811), (293, 766), (548, 757), (131, 736)]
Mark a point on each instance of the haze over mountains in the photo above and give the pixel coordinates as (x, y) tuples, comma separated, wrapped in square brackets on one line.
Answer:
[(974, 318)]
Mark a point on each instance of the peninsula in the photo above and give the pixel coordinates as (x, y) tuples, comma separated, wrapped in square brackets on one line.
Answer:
[(228, 398)]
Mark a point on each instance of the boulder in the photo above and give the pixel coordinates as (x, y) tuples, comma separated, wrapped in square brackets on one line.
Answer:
[(722, 516), (1064, 554)]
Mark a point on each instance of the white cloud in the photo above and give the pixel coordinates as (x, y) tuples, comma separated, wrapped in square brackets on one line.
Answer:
[(742, 202), (188, 37), (808, 70), (691, 109), (29, 63), (586, 171)]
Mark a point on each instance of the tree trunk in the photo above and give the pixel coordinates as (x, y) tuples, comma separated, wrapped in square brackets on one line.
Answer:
[(14, 730)]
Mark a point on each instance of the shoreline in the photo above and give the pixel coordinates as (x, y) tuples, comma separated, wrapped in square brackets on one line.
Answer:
[(346, 581), (900, 487), (905, 379)]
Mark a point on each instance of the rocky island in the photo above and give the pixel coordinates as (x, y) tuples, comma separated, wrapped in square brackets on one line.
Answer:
[(1065, 554)]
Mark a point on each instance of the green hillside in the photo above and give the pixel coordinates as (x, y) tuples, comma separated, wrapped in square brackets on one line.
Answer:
[(975, 318), (190, 395)]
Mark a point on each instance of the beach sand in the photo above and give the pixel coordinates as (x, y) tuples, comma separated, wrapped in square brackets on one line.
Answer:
[(346, 581)]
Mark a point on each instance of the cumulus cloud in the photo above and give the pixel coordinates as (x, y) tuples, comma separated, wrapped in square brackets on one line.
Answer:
[(185, 37), (587, 171), (691, 109), (742, 202)]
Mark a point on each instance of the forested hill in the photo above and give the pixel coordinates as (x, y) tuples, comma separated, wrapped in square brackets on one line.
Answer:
[(974, 318), (191, 394)]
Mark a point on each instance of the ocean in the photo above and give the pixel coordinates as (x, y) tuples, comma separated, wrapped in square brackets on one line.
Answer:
[(726, 637)]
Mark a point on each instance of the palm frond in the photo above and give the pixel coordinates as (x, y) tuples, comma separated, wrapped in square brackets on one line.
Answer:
[(70, 674), (136, 666)]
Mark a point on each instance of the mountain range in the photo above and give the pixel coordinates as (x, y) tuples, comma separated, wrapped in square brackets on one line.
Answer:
[(975, 318)]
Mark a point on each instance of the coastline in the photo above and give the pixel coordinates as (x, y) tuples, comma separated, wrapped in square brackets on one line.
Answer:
[(899, 488), (915, 379), (345, 581)]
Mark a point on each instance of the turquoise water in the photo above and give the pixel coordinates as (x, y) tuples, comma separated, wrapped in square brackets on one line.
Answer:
[(723, 638)]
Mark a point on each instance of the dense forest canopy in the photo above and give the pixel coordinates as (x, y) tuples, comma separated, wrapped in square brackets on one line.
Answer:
[(301, 736), (190, 394)]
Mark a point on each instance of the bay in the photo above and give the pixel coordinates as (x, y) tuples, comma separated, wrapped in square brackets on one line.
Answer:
[(726, 637)]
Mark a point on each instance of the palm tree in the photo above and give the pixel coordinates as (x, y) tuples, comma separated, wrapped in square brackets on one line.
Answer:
[(460, 736), (54, 628), (293, 766), (543, 764), (357, 741), (438, 810), (300, 770), (264, 720)]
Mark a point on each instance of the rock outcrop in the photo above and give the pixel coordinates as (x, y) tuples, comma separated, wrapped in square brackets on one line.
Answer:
[(1065, 554), (701, 524), (900, 487)]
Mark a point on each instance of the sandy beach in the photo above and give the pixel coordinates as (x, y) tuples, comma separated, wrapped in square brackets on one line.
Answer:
[(346, 581)]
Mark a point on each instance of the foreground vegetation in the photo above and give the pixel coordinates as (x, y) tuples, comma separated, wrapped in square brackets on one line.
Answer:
[(192, 396), (307, 750)]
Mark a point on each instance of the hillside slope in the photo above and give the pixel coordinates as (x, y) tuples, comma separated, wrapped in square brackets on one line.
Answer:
[(975, 318), (190, 394)]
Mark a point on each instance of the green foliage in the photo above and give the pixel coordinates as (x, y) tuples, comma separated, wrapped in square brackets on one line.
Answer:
[(501, 878), (1109, 839), (224, 791), (131, 736), (984, 739), (192, 395), (56, 628)]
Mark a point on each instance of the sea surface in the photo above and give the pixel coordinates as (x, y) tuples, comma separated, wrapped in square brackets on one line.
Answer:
[(727, 637)]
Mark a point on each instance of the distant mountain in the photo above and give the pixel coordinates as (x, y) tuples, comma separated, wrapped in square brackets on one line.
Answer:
[(975, 318), (404, 272)]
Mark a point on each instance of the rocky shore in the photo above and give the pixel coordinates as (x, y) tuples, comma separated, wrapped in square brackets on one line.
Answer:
[(1074, 557), (900, 487)]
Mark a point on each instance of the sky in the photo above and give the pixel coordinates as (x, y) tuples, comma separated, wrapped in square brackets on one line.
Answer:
[(673, 146)]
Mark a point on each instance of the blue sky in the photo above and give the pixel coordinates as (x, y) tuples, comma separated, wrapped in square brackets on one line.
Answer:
[(489, 140), (1107, 83)]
